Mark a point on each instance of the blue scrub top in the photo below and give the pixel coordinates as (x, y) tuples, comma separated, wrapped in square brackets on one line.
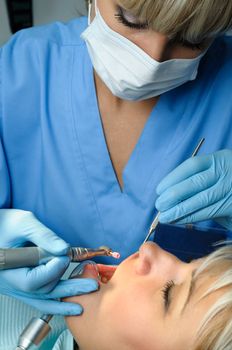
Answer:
[(54, 159)]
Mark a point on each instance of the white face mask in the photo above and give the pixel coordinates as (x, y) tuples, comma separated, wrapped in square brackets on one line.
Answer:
[(127, 70)]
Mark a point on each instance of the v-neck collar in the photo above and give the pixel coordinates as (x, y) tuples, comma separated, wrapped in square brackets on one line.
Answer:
[(149, 150)]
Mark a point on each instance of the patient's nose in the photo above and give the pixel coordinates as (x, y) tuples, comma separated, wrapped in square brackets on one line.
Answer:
[(153, 258)]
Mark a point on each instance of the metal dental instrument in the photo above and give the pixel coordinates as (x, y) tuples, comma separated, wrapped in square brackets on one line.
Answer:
[(33, 334), (156, 219), (34, 256)]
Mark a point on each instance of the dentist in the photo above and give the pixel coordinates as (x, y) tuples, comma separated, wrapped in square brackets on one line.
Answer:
[(95, 118)]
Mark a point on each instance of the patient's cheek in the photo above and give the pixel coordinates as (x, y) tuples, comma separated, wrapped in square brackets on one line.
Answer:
[(89, 302), (79, 323)]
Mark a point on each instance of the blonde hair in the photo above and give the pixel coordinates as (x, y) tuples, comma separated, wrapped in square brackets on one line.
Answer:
[(215, 330), (186, 20)]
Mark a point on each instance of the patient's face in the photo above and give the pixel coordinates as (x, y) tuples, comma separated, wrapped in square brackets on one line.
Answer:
[(144, 306)]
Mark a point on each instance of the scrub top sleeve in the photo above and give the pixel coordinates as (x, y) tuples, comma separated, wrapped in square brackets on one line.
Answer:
[(4, 175)]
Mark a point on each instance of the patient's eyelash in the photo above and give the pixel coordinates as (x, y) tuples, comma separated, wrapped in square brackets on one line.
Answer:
[(121, 18), (166, 293)]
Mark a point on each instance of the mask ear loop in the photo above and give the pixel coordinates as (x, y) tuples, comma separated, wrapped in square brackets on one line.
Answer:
[(90, 3), (89, 11)]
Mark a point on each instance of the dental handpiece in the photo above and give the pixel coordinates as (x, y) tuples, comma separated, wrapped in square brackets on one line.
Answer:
[(34, 256), (33, 334)]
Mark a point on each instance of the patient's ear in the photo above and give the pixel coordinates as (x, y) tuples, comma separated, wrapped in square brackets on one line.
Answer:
[(106, 272)]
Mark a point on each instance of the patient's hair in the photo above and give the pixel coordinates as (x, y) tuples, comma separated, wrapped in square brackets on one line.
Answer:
[(215, 330)]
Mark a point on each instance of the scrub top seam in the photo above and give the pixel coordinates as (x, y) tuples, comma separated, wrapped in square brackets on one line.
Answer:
[(72, 45), (60, 44), (79, 146), (57, 43)]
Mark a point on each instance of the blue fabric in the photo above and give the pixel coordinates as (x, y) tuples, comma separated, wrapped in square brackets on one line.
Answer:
[(64, 342), (189, 242), (54, 158)]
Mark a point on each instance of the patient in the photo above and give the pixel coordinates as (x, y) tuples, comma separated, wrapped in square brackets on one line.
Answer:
[(153, 301)]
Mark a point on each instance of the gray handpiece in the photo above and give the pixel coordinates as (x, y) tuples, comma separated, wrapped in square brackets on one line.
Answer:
[(34, 256), (21, 257)]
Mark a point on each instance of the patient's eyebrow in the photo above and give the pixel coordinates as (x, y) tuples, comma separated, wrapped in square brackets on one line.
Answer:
[(190, 291)]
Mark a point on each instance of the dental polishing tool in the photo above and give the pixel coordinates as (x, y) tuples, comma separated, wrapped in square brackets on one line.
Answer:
[(33, 256)]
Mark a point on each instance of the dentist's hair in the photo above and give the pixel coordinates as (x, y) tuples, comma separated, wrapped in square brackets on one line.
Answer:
[(215, 330), (193, 21)]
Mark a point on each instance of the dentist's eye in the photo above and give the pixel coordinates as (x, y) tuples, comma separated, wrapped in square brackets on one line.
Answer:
[(188, 44), (192, 46), (166, 293), (129, 20)]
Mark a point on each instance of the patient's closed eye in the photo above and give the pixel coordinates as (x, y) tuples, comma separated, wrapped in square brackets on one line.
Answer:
[(166, 293)]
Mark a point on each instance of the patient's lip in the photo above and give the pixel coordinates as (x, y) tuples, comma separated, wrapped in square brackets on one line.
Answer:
[(106, 272)]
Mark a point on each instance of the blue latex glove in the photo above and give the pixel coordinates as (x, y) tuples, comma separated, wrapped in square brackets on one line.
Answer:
[(39, 287), (199, 189)]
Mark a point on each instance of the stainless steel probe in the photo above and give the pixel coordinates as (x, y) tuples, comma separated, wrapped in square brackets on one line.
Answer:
[(156, 219)]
